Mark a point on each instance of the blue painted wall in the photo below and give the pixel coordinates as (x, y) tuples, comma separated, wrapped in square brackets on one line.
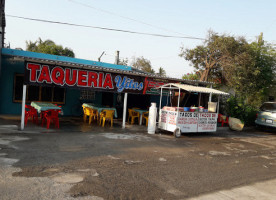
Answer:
[(156, 99), (10, 67)]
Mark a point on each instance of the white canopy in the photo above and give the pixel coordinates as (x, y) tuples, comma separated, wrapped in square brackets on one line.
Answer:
[(192, 88)]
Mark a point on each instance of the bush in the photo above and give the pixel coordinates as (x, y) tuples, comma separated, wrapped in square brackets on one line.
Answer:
[(236, 107)]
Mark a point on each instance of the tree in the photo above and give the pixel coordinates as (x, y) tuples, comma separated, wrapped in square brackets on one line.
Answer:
[(142, 64), (258, 79), (191, 76), (161, 72), (215, 55), (123, 61), (49, 47), (248, 68)]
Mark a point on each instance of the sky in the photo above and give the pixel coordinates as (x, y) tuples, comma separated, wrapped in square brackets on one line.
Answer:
[(182, 18)]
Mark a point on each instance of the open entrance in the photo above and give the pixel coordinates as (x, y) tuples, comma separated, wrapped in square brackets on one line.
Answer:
[(107, 99), (138, 101)]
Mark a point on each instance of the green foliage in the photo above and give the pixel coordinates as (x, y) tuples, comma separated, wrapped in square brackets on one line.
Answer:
[(248, 68), (123, 61), (191, 76), (214, 59), (143, 64), (161, 72), (237, 108), (49, 47)]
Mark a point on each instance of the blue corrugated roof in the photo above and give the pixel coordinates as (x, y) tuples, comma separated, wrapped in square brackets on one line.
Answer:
[(15, 52)]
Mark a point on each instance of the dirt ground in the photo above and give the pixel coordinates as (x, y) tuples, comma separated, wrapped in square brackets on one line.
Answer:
[(89, 162)]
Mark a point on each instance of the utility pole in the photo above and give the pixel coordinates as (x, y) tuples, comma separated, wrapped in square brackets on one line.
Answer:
[(117, 59), (2, 23), (2, 29)]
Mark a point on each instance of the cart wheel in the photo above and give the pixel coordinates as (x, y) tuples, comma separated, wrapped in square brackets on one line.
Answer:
[(177, 133)]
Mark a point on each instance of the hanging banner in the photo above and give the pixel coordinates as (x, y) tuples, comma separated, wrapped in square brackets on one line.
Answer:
[(52, 75), (151, 85)]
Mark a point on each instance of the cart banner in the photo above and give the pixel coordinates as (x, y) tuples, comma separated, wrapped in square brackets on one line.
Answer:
[(187, 121), (53, 75), (167, 120), (207, 122)]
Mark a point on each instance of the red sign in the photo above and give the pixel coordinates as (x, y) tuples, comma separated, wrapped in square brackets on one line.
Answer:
[(52, 75)]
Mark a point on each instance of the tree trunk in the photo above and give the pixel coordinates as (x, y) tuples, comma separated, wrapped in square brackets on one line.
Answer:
[(205, 74)]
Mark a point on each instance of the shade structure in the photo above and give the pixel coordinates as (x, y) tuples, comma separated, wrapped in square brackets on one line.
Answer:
[(191, 88)]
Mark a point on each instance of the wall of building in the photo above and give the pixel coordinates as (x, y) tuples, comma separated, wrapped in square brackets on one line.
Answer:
[(10, 67), (72, 106)]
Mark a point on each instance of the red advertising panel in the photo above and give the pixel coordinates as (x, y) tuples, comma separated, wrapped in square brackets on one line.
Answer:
[(53, 75)]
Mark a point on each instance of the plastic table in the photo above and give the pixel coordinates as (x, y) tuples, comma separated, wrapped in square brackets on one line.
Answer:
[(100, 108), (141, 114), (43, 106)]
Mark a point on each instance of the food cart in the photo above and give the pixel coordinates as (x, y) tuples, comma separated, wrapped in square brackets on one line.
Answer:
[(182, 119)]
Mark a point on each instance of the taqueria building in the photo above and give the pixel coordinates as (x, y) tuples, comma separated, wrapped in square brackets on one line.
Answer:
[(70, 82)]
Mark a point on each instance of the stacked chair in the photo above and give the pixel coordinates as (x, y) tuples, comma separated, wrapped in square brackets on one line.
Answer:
[(132, 115), (91, 113), (30, 112), (145, 116), (106, 115), (50, 116)]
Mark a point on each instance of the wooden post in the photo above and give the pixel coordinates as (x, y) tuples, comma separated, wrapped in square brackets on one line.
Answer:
[(124, 111), (23, 108)]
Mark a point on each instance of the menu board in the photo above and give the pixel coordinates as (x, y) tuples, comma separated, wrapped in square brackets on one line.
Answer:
[(168, 120), (187, 121), (207, 122)]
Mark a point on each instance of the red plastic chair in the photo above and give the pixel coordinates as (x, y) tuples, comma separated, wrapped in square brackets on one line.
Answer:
[(30, 112), (51, 116), (221, 120), (42, 116)]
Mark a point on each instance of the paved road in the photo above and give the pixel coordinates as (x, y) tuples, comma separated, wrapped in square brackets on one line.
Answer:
[(89, 162)]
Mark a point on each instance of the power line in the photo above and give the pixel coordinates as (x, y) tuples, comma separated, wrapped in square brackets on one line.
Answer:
[(104, 28), (128, 18)]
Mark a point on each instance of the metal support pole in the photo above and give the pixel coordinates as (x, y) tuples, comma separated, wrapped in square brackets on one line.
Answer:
[(23, 108), (124, 111), (99, 59), (160, 100), (199, 98), (178, 97), (210, 96), (218, 104)]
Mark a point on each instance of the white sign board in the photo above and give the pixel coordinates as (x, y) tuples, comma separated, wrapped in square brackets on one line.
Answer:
[(207, 122), (168, 120), (187, 121)]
